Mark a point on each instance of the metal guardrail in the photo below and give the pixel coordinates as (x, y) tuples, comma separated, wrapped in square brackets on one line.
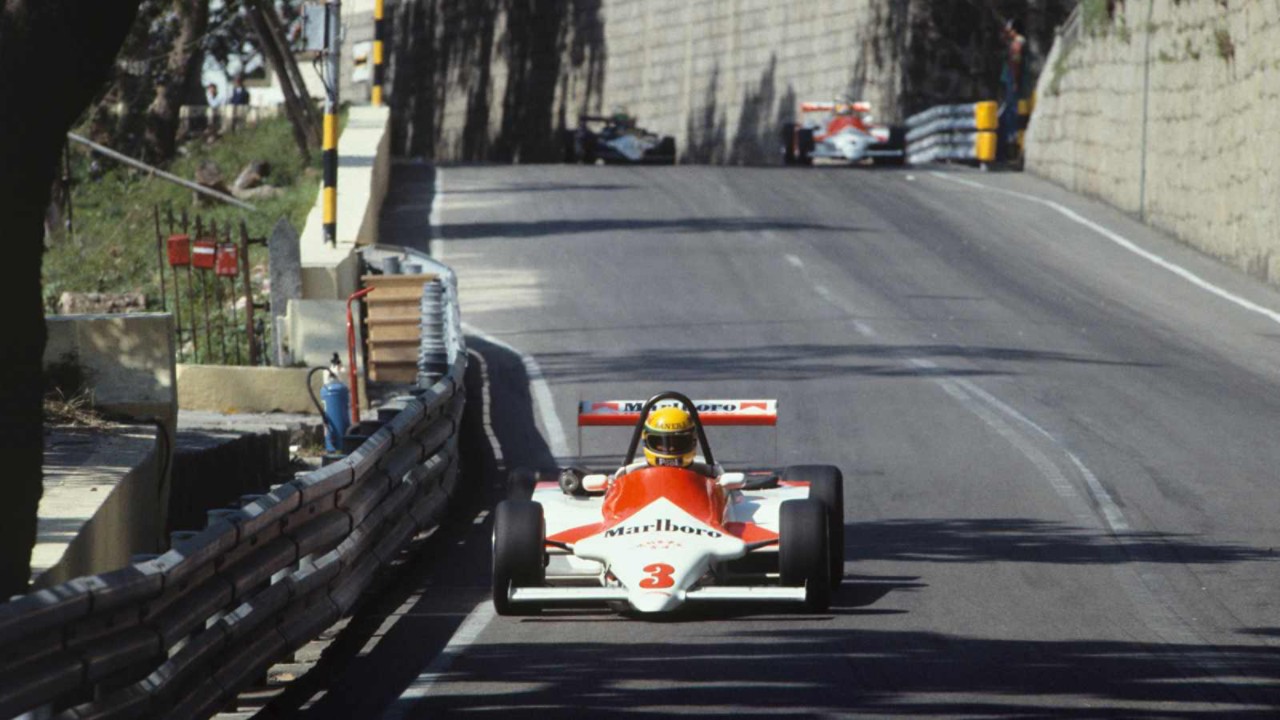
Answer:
[(953, 132), (180, 635)]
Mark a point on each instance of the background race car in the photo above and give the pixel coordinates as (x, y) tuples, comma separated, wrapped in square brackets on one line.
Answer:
[(843, 131), (649, 539), (616, 139)]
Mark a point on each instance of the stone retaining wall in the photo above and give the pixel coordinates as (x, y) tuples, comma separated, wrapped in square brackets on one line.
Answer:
[(1203, 165)]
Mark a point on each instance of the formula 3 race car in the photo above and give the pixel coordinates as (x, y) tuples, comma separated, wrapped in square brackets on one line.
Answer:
[(648, 539), (615, 139), (842, 131)]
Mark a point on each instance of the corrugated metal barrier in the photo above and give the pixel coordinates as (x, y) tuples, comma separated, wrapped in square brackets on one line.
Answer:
[(180, 635)]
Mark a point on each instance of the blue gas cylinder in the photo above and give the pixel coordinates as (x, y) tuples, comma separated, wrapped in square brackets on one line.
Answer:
[(337, 410)]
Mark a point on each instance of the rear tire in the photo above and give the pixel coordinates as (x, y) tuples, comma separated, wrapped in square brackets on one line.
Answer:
[(788, 137), (802, 551), (805, 145), (519, 553), (826, 484)]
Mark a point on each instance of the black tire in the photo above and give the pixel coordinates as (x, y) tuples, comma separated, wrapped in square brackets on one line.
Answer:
[(802, 551), (519, 553), (788, 138), (665, 151), (826, 484), (804, 146), (520, 483)]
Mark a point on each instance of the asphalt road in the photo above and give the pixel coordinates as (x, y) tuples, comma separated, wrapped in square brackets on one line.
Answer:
[(1060, 458)]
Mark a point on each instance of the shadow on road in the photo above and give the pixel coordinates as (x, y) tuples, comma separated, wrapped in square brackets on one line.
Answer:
[(996, 540), (798, 362), (875, 673)]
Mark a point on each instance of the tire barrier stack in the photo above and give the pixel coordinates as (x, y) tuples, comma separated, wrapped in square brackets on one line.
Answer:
[(182, 634), (965, 133)]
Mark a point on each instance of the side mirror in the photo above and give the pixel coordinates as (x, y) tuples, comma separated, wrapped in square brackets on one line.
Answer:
[(595, 483), (733, 480)]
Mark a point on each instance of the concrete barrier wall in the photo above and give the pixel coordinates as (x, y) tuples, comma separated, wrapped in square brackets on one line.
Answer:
[(89, 534), (488, 80), (1202, 165), (364, 166), (126, 360)]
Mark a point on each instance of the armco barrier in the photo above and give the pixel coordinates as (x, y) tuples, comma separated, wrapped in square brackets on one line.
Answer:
[(953, 132), (182, 634)]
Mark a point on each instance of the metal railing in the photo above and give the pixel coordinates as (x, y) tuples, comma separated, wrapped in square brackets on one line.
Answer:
[(181, 634), (952, 132)]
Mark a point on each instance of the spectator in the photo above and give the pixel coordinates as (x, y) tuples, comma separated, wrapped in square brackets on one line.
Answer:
[(239, 94), (214, 113), (1011, 79)]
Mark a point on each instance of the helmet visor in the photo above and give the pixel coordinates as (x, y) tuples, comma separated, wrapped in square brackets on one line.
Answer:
[(679, 443)]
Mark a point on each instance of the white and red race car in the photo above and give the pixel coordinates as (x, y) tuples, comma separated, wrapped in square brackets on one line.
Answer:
[(650, 539), (843, 131)]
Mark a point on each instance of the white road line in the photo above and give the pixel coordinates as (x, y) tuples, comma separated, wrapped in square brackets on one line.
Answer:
[(1125, 243), (541, 392), (467, 634), (795, 261), (436, 245)]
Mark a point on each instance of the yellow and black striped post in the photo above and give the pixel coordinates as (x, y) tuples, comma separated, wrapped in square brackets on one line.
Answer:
[(378, 38), (329, 155), (329, 145)]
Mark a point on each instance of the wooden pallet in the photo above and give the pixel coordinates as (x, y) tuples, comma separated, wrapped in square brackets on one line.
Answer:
[(393, 319)]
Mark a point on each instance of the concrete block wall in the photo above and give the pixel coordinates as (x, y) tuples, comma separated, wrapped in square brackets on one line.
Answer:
[(1208, 73), (485, 80)]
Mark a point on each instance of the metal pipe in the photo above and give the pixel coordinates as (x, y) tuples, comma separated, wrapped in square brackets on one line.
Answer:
[(196, 187), (351, 354)]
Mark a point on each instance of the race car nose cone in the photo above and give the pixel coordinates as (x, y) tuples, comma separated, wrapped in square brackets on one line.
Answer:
[(653, 601)]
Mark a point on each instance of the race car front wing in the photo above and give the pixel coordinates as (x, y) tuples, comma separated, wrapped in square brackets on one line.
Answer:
[(549, 595)]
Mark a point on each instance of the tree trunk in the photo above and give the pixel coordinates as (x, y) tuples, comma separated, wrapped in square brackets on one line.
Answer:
[(278, 59), (42, 93), (291, 66), (182, 75)]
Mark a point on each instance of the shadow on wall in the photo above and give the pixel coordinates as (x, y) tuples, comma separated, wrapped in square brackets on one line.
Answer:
[(446, 52)]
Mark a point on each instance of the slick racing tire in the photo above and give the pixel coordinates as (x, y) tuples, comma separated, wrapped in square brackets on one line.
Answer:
[(805, 145), (788, 138), (802, 551), (826, 485), (519, 555)]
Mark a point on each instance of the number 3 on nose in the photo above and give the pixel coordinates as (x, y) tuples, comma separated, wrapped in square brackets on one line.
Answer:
[(659, 576)]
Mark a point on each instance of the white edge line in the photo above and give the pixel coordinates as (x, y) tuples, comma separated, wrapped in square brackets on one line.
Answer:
[(541, 392), (435, 246), (467, 634), (1125, 243)]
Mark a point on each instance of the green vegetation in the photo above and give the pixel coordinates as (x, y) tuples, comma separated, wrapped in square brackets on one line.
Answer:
[(1095, 17), (114, 244), (1059, 70), (1226, 46)]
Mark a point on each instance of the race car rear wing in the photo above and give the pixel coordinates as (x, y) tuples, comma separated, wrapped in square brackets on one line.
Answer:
[(615, 413)]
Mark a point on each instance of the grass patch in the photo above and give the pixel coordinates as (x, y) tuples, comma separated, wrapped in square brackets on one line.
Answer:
[(1226, 46), (113, 248)]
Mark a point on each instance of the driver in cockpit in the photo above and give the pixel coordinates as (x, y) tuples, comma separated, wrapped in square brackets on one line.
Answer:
[(670, 440)]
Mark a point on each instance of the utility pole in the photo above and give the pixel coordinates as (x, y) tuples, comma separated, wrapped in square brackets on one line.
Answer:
[(379, 37), (333, 47)]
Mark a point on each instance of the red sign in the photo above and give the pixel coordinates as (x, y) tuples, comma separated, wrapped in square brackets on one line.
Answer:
[(179, 250), (202, 255), (227, 263)]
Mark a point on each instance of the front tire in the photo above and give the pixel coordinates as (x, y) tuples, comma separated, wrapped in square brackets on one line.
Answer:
[(826, 485), (802, 551), (519, 553)]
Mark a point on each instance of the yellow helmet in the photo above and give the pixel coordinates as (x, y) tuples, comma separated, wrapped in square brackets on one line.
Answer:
[(669, 437)]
